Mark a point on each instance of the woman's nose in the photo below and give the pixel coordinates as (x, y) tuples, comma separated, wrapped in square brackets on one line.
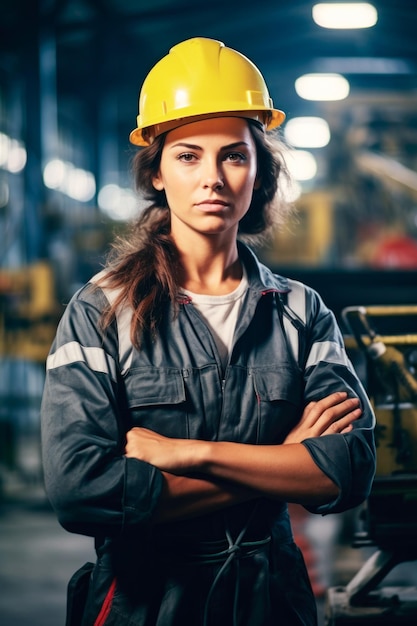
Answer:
[(212, 176)]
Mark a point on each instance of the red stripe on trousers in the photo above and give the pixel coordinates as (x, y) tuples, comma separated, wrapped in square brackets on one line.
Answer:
[(106, 606)]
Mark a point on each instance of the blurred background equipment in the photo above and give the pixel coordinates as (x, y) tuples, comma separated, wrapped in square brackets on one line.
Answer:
[(389, 372), (29, 311)]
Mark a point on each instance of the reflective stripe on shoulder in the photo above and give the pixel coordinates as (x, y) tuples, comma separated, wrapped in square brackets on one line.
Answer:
[(123, 320), (96, 358), (324, 351), (296, 301)]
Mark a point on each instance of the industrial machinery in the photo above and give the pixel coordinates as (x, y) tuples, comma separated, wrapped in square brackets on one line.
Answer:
[(29, 314), (386, 361)]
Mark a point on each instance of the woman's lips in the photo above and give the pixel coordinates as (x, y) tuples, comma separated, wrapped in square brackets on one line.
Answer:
[(212, 205)]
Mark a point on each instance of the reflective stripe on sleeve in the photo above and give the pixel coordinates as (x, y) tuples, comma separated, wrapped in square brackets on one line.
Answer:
[(96, 358), (329, 352)]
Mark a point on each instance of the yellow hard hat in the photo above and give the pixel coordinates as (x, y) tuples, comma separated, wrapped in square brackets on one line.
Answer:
[(200, 78)]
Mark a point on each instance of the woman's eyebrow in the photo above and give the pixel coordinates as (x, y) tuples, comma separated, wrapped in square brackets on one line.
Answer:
[(237, 144), (191, 146)]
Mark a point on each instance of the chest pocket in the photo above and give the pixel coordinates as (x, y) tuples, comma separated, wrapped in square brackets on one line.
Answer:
[(278, 391), (156, 399)]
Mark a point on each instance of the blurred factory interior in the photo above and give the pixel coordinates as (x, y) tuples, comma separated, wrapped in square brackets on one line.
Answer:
[(70, 72)]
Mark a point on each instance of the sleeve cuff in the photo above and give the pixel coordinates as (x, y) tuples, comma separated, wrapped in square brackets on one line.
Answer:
[(323, 451), (142, 489)]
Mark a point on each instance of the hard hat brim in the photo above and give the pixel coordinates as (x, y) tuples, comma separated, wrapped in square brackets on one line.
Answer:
[(269, 119)]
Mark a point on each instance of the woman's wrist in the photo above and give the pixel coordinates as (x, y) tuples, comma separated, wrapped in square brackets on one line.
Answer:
[(199, 455)]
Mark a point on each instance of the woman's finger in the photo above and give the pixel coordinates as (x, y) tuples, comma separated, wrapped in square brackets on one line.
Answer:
[(317, 407), (333, 414), (343, 424), (324, 412)]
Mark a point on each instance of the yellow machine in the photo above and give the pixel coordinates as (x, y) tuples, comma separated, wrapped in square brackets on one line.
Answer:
[(28, 312), (387, 364)]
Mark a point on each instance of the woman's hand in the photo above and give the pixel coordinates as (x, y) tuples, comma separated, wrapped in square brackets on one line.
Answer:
[(333, 414), (177, 456)]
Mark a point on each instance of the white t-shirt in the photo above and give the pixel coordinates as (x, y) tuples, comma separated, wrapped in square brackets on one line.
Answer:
[(221, 313)]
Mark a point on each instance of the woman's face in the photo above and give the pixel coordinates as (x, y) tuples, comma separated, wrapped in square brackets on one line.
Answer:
[(208, 172)]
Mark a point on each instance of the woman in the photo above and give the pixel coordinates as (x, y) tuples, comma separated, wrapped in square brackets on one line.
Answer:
[(190, 391)]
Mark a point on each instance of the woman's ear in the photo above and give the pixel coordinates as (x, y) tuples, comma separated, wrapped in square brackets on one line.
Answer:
[(157, 182), (257, 183)]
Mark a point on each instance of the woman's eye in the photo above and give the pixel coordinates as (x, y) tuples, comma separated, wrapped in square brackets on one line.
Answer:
[(186, 156), (235, 157)]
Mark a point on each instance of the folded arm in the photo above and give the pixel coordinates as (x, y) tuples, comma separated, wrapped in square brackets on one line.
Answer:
[(201, 476)]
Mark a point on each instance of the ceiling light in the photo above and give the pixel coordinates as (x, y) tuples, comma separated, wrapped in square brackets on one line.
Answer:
[(345, 15), (75, 182), (322, 87), (4, 148), (80, 185), (17, 157), (54, 173), (301, 164), (13, 155), (118, 203), (307, 132)]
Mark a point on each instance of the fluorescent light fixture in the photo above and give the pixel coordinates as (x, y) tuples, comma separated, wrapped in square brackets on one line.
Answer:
[(307, 132), (302, 164), (4, 148), (74, 182), (13, 155), (80, 185), (345, 15), (322, 87), (17, 157), (54, 173), (118, 203)]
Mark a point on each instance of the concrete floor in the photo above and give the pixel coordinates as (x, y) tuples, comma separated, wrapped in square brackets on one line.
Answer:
[(37, 558)]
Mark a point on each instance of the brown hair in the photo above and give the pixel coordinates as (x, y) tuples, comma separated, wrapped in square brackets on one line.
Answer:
[(144, 265)]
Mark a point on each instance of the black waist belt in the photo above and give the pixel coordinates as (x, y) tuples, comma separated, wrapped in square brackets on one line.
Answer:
[(204, 552)]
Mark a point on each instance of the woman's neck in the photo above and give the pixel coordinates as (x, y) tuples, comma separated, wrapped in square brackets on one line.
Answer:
[(210, 271)]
